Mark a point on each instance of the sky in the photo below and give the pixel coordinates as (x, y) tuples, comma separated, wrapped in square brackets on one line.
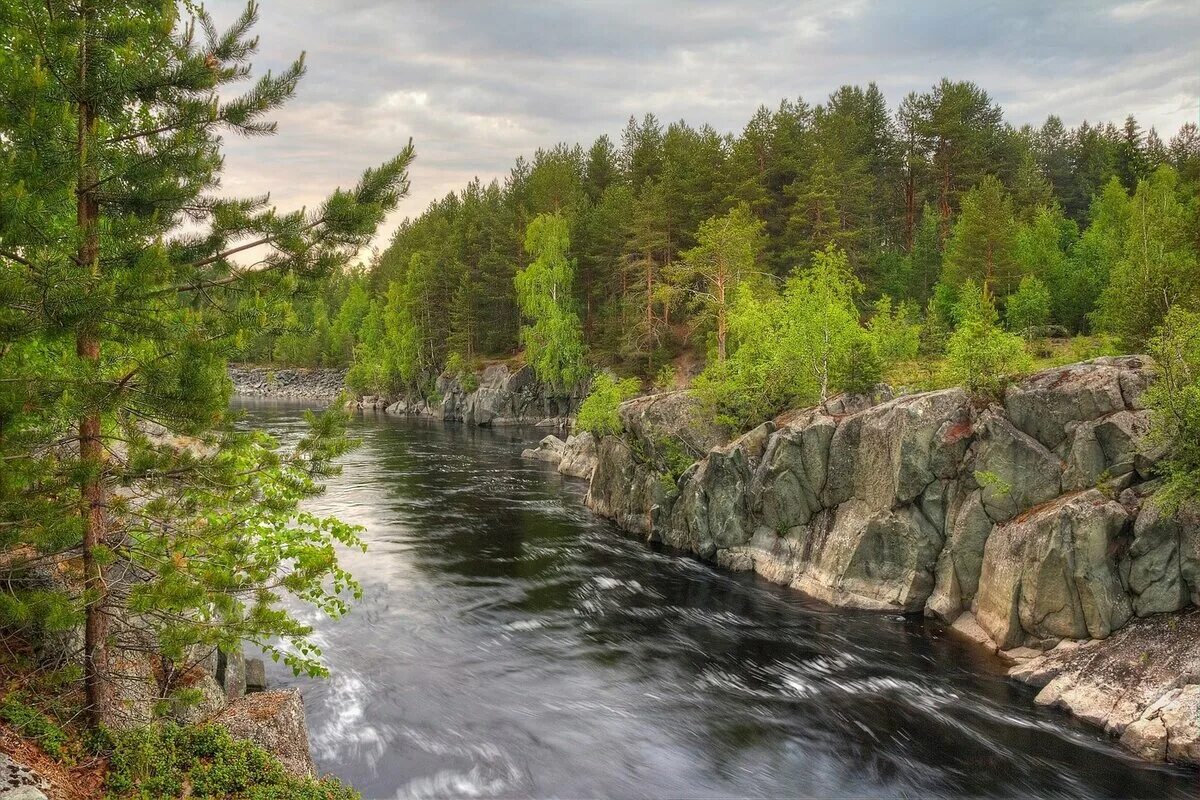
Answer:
[(475, 84)]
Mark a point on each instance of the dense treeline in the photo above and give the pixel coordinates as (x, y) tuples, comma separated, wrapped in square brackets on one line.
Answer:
[(921, 200)]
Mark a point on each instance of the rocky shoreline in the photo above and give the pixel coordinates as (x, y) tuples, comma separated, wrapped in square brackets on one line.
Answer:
[(286, 383), (1027, 525)]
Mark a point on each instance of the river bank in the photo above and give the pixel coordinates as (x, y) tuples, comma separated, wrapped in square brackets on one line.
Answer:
[(498, 612), (1027, 526)]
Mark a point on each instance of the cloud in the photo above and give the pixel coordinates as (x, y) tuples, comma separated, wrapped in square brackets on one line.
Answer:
[(477, 83)]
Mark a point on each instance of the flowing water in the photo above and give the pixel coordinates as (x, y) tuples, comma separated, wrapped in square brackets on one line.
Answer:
[(510, 644)]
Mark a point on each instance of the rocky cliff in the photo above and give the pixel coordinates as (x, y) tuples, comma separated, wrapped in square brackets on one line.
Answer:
[(1026, 524)]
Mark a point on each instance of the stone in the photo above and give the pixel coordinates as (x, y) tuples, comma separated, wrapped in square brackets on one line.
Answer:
[(887, 455), (1146, 739), (710, 512), (1014, 470), (274, 721), (1138, 673), (627, 491), (653, 419), (579, 456), (1050, 573), (550, 449), (967, 628), (1043, 405), (1152, 566), (19, 782), (785, 491), (211, 699), (872, 559), (256, 675), (961, 559), (1181, 718)]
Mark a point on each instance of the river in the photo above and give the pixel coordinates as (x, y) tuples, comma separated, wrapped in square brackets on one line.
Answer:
[(509, 644)]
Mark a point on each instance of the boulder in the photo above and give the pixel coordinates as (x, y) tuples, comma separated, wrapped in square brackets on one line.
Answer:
[(274, 721), (651, 421), (1044, 404), (550, 449), (873, 559), (1014, 470), (19, 782), (626, 490), (256, 675), (1152, 567), (579, 456), (204, 699), (786, 488), (1051, 573), (887, 455), (1142, 684), (961, 559), (710, 511)]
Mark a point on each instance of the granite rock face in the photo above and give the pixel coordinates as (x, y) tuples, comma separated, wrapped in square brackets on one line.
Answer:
[(273, 720), (1028, 523), (498, 395)]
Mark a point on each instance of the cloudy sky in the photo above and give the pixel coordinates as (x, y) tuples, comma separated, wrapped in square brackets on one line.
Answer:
[(475, 83)]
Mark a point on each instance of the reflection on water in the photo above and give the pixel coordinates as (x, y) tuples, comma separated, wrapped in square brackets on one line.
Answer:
[(510, 644)]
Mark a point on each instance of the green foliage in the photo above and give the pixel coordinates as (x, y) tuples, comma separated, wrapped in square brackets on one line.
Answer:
[(792, 349), (33, 724), (1174, 403), (726, 250), (598, 412), (895, 331), (1158, 267), (990, 480), (982, 246), (554, 340), (1027, 310), (980, 356), (864, 368), (162, 760), (123, 299)]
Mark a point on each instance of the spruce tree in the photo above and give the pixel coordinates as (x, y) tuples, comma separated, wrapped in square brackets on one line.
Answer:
[(118, 264)]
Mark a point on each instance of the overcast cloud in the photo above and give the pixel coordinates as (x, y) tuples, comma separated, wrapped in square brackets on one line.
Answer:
[(475, 84)]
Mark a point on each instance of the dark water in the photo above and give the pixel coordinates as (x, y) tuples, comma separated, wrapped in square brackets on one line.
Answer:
[(511, 645)]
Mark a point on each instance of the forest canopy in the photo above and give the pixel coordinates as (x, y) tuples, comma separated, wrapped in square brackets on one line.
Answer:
[(677, 236)]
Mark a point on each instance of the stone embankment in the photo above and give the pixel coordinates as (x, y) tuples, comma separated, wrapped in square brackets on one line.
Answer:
[(1027, 524), (285, 383)]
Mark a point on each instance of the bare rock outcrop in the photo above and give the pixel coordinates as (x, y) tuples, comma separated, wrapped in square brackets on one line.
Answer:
[(1025, 525), (273, 720)]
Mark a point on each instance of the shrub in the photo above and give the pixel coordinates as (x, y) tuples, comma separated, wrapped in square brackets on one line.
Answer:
[(863, 368), (1174, 403), (159, 761), (980, 356), (895, 331), (34, 724), (598, 412)]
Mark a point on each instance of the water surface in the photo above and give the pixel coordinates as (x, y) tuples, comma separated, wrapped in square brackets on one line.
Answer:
[(512, 645)]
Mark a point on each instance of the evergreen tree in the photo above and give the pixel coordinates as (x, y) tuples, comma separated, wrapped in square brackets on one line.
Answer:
[(114, 331), (726, 251), (982, 246)]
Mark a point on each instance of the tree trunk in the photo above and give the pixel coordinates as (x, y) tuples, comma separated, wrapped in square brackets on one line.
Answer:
[(97, 684), (721, 318)]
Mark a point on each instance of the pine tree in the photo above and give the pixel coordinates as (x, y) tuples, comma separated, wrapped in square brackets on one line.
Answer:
[(114, 331), (726, 252), (982, 246)]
